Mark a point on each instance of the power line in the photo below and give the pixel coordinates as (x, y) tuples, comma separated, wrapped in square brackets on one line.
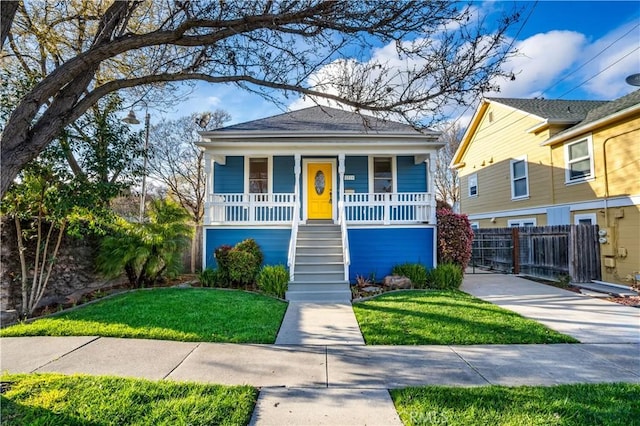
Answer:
[(597, 74), (590, 60)]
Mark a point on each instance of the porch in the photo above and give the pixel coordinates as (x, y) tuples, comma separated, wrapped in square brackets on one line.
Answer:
[(400, 208)]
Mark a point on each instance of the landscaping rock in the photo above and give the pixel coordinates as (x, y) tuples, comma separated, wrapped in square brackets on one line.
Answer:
[(395, 282), (8, 317)]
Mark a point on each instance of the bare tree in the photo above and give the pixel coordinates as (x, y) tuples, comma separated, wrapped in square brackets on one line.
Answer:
[(178, 163), (446, 180), (81, 51)]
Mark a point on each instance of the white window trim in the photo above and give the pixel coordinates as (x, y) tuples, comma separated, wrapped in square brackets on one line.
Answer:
[(526, 174), (567, 170), (472, 176), (269, 172), (475, 225), (580, 216), (514, 222), (394, 172)]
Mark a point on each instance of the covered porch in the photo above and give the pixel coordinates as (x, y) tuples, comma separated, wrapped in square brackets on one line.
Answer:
[(314, 198)]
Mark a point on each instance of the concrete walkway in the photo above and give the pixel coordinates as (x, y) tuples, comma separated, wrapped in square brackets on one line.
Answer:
[(319, 372), (588, 319), (308, 323)]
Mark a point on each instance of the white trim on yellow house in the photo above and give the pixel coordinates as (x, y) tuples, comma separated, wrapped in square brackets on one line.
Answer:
[(632, 200)]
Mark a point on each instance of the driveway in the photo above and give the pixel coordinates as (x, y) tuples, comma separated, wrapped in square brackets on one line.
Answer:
[(588, 319)]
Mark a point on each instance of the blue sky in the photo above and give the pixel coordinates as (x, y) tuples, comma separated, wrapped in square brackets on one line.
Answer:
[(567, 50)]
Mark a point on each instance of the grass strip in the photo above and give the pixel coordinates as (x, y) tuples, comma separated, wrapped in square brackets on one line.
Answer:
[(54, 399), (446, 317), (581, 404), (191, 315)]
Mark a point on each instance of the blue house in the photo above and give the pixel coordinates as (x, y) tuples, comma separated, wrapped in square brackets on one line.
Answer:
[(329, 193)]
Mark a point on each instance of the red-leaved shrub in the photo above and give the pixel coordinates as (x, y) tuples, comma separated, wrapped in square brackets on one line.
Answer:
[(455, 238)]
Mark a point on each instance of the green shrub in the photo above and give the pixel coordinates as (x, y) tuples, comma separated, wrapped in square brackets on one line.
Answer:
[(239, 265), (445, 276), (250, 246), (243, 267), (273, 280), (416, 272), (211, 278), (147, 252)]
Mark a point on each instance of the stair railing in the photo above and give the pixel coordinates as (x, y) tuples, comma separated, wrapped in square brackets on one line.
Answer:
[(342, 221), (291, 261)]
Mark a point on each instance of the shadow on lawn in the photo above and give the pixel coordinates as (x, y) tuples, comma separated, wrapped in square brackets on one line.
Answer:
[(443, 322)]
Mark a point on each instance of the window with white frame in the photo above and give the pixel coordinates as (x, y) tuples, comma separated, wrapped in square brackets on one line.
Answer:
[(579, 161), (258, 175), (519, 178), (382, 174), (473, 185), (475, 225), (522, 223), (585, 219)]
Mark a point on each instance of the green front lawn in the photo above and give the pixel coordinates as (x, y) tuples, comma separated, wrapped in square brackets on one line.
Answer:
[(52, 399), (445, 318), (193, 315), (583, 404)]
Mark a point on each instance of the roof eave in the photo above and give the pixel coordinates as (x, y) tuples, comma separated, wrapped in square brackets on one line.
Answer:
[(580, 129), (551, 122), (456, 161)]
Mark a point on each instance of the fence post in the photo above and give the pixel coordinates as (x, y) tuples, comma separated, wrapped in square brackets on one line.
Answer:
[(515, 243)]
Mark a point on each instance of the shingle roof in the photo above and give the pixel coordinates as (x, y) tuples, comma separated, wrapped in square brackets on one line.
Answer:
[(612, 107), (322, 119), (553, 109)]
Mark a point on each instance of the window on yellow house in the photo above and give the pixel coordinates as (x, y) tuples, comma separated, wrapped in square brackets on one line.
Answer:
[(579, 161)]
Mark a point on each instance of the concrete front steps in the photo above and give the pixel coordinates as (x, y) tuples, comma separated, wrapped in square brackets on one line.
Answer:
[(319, 266)]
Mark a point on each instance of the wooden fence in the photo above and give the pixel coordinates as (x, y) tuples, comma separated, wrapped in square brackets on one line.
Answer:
[(540, 251)]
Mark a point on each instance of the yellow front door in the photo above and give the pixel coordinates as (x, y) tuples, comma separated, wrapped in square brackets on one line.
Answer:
[(319, 191)]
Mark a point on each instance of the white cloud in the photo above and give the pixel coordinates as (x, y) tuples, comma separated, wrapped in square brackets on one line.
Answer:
[(542, 59), (613, 65)]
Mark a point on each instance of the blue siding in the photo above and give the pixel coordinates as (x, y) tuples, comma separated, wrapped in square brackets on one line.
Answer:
[(284, 178), (378, 250), (411, 177), (273, 242), (357, 166), (229, 179)]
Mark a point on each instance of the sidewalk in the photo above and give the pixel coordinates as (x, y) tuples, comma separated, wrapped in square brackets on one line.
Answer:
[(321, 373)]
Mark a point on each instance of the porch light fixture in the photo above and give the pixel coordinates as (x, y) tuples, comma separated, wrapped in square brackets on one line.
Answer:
[(132, 119)]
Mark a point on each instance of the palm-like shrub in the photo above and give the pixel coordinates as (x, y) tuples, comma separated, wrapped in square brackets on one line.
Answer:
[(147, 252)]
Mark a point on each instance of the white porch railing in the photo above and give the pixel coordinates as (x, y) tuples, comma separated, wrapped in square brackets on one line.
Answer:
[(251, 208), (387, 208), (346, 256), (291, 261)]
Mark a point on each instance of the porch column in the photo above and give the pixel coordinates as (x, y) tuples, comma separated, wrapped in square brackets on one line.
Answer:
[(341, 169), (209, 170), (296, 170), (431, 167)]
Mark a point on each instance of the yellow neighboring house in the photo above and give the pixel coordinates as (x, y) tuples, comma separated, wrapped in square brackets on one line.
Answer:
[(536, 162)]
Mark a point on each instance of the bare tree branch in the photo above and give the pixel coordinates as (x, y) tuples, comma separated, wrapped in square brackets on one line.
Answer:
[(87, 50)]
